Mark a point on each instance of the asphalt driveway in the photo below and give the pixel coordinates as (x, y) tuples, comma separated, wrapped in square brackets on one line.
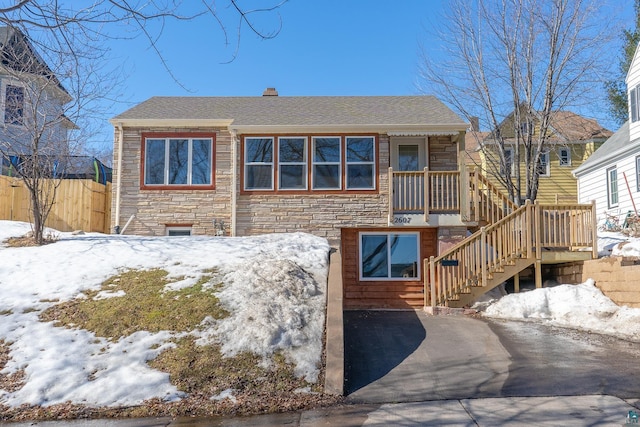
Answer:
[(405, 356)]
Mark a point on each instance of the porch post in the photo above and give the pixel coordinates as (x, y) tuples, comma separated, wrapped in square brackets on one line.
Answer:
[(463, 184), (594, 237), (426, 194), (432, 278), (390, 213), (483, 255)]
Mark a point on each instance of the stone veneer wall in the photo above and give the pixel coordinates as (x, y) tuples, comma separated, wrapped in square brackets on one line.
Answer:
[(317, 213), (320, 214), (616, 277), (155, 208)]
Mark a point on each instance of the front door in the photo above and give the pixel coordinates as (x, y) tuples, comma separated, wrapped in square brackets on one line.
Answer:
[(408, 161), (408, 154)]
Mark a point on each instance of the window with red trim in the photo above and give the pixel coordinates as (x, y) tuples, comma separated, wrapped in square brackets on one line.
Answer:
[(178, 160), (309, 163)]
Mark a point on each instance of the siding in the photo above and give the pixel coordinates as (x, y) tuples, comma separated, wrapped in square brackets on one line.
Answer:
[(593, 186), (382, 294), (560, 183), (153, 209), (633, 80), (322, 214)]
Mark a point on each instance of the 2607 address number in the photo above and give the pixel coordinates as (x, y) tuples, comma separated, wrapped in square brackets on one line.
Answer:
[(401, 220)]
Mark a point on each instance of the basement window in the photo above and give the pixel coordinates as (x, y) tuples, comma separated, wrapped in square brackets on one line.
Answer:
[(178, 231), (389, 256)]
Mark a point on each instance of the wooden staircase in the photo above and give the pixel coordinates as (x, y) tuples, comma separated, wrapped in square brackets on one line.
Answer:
[(531, 235)]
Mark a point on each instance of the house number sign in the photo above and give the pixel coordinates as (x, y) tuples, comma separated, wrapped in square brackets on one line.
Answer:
[(402, 220)]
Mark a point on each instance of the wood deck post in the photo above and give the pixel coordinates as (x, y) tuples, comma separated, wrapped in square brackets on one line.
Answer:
[(426, 194), (516, 283), (476, 196), (432, 279), (538, 268), (594, 231), (390, 219), (537, 213), (483, 255), (425, 281)]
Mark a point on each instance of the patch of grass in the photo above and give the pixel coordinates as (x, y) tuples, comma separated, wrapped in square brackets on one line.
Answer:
[(198, 369), (144, 307), (9, 382), (6, 312), (27, 240)]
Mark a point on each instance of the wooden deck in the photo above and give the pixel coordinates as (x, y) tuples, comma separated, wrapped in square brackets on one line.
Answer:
[(532, 235)]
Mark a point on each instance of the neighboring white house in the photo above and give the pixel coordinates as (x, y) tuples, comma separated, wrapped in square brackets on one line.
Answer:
[(32, 104), (611, 176)]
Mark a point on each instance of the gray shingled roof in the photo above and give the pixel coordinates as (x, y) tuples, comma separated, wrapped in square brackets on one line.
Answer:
[(298, 111), (614, 146)]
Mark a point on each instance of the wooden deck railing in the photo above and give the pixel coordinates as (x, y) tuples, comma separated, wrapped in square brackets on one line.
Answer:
[(442, 192), (409, 190), (487, 202), (523, 234)]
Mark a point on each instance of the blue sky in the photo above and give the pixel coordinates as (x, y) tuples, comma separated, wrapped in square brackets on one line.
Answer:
[(328, 47)]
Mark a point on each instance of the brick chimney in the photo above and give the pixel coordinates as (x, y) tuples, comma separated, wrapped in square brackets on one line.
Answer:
[(270, 91), (475, 124)]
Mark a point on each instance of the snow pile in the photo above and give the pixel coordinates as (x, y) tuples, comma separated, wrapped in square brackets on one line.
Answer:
[(582, 306), (274, 288)]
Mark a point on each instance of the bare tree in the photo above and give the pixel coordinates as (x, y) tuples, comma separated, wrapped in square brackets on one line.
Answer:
[(512, 63), (55, 70)]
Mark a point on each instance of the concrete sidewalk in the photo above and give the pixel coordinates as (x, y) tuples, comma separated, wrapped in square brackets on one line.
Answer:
[(593, 410)]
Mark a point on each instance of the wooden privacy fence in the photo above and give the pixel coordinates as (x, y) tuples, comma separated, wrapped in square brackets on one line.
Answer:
[(81, 204)]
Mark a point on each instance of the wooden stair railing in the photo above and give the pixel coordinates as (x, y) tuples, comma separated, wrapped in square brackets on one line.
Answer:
[(487, 202), (501, 250)]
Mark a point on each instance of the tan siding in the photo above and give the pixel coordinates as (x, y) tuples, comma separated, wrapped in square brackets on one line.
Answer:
[(153, 209)]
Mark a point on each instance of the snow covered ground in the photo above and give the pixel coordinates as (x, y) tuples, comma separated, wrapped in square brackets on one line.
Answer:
[(582, 306), (274, 287)]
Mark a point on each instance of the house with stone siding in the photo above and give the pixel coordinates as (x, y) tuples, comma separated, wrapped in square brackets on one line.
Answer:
[(239, 166), (383, 178)]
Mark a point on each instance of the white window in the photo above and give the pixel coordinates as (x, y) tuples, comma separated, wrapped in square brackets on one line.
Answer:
[(327, 158), (612, 187), (633, 104), (178, 161), (564, 155), (543, 164), (638, 173), (178, 231), (389, 256), (258, 163), (361, 167), (526, 128), (309, 163), (14, 105), (507, 168), (292, 163)]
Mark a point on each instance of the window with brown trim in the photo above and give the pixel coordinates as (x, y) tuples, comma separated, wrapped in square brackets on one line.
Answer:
[(177, 161), (306, 163)]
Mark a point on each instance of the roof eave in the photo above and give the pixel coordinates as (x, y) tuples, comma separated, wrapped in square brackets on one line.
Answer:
[(175, 123), (390, 129)]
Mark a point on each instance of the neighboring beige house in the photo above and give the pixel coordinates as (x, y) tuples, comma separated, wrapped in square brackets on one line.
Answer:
[(383, 178)]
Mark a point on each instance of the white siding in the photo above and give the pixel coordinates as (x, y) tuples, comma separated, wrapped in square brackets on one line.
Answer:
[(633, 80), (593, 186)]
